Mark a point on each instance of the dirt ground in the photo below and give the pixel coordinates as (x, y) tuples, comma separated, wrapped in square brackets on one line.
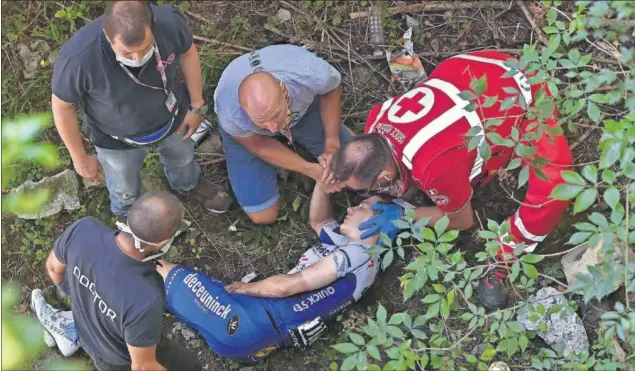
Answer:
[(228, 246)]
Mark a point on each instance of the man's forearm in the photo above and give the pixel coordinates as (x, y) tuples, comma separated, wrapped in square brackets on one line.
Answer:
[(67, 126), (457, 220), (321, 208), (278, 286), (279, 155), (330, 112), (191, 71)]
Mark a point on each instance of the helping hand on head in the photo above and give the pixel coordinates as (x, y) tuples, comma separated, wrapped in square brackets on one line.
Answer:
[(383, 222)]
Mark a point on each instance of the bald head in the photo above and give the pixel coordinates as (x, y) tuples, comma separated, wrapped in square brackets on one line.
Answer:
[(156, 216), (130, 22), (364, 157), (261, 97)]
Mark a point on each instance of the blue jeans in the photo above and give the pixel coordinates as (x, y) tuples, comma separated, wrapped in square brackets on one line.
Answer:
[(122, 168), (253, 179)]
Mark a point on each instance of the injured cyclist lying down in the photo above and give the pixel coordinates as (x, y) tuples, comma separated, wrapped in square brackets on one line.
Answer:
[(247, 321)]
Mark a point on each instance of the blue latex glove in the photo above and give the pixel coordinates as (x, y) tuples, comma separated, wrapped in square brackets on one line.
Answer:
[(383, 222)]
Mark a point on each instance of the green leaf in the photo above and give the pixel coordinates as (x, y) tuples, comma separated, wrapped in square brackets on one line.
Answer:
[(349, 363), (599, 219), (471, 358), (610, 154), (441, 225), (628, 169), (523, 177), (60, 13), (572, 177), (373, 351), (507, 103), (515, 271), (590, 172), (428, 234), (395, 332), (530, 271), (381, 314), (431, 298), (439, 288), (479, 85), (345, 348), (515, 327), (565, 191), (356, 338), (593, 111), (515, 163), (296, 203), (467, 95), (585, 200), (578, 238), (532, 259), (488, 354), (611, 197), (449, 236), (388, 258), (490, 101)]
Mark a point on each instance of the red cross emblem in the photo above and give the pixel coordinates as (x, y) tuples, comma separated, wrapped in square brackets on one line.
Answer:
[(412, 104)]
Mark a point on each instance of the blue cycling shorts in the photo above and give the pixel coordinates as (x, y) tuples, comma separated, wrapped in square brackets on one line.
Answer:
[(234, 326)]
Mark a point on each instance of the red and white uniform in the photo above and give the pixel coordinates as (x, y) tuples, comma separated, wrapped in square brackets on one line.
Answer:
[(427, 126)]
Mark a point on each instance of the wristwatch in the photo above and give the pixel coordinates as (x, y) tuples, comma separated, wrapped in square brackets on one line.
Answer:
[(199, 111)]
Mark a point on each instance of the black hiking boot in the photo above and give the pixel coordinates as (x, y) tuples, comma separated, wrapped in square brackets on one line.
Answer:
[(491, 289)]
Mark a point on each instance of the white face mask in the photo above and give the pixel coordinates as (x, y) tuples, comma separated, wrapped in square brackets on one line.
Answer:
[(133, 63), (137, 243)]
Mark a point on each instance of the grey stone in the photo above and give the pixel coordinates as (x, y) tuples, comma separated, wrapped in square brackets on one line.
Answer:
[(90, 184), (177, 327), (283, 15), (188, 333), (577, 260), (185, 331), (62, 190), (212, 144), (30, 60), (413, 23), (568, 330), (52, 57), (40, 47)]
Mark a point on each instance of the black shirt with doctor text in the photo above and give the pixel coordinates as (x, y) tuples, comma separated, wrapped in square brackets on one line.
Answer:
[(117, 300)]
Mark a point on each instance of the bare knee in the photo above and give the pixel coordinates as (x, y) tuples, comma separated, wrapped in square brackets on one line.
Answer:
[(267, 216)]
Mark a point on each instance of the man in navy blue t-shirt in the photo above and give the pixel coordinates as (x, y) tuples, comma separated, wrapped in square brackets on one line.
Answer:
[(118, 297), (124, 69)]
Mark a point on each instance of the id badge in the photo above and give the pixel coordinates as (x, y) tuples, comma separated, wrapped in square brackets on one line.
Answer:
[(170, 102)]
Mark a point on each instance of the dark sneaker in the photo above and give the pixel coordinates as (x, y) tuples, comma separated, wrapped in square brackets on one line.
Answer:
[(491, 289), (212, 197)]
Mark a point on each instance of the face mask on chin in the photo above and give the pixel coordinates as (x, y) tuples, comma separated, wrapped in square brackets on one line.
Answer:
[(135, 64)]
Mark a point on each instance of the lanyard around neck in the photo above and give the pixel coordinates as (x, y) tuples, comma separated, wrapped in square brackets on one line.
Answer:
[(160, 66)]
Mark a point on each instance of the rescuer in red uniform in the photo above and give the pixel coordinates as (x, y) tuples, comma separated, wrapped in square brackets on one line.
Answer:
[(419, 139)]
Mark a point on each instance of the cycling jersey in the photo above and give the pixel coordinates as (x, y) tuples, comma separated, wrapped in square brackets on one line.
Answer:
[(247, 328)]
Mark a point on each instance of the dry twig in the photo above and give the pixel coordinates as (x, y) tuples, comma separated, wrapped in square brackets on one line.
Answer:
[(430, 7), (216, 42), (530, 18)]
